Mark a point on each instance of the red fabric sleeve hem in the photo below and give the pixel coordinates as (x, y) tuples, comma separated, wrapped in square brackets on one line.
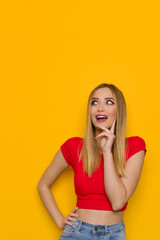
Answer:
[(64, 155)]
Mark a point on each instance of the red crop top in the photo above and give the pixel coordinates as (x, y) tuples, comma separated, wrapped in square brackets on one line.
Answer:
[(91, 191)]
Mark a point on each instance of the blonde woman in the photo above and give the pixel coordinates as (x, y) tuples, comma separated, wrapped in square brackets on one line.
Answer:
[(107, 167)]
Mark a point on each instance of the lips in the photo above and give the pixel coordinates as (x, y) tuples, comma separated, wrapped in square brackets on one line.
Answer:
[(101, 116)]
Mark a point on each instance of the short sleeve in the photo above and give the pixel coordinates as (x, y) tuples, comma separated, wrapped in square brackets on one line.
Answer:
[(136, 144), (67, 150)]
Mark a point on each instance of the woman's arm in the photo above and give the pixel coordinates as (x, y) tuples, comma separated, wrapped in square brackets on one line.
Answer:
[(57, 166), (119, 190)]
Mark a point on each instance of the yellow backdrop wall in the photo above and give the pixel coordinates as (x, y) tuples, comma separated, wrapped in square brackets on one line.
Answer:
[(53, 53)]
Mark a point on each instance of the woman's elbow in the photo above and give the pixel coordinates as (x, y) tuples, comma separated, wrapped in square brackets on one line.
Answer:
[(41, 185), (118, 205), (116, 208)]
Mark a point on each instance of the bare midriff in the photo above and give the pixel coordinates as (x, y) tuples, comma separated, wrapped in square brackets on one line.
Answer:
[(100, 217)]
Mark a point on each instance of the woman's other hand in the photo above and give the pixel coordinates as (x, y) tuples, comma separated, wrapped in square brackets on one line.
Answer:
[(66, 220)]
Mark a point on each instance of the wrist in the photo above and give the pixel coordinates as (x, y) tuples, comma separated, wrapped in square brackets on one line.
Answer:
[(60, 222), (107, 153)]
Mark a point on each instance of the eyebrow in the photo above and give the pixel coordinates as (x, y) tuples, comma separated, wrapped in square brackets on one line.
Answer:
[(105, 98)]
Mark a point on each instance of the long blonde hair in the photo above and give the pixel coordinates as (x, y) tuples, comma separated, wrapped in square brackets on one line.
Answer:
[(90, 152)]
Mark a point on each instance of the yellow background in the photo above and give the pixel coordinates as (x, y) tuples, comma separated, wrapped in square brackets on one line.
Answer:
[(52, 54)]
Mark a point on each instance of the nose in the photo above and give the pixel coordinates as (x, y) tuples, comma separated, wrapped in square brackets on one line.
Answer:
[(100, 107)]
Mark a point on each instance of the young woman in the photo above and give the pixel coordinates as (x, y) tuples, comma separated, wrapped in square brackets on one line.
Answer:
[(107, 167)]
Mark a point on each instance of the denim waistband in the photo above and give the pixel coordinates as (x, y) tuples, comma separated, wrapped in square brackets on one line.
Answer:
[(96, 227)]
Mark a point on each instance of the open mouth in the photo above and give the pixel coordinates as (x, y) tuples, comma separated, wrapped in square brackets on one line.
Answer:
[(101, 118)]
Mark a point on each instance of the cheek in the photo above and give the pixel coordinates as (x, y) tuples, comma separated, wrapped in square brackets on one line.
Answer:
[(112, 112), (91, 111)]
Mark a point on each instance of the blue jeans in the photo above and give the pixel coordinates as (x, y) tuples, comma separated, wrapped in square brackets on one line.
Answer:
[(81, 230)]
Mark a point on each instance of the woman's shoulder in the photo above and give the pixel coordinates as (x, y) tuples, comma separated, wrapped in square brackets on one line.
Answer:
[(135, 144), (133, 139), (74, 139), (71, 141), (69, 149)]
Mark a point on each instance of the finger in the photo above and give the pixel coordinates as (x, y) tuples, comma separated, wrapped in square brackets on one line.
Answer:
[(74, 214), (71, 219), (68, 222), (103, 134), (75, 209), (104, 128), (113, 126)]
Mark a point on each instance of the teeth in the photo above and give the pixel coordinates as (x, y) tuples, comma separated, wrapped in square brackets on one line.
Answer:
[(101, 117)]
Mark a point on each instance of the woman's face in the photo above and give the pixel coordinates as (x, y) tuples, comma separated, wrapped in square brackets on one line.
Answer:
[(103, 103)]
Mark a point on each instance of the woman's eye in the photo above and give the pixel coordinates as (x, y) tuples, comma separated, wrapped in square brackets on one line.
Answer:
[(110, 101), (93, 102)]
